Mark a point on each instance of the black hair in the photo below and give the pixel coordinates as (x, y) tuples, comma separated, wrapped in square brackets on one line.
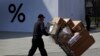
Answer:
[(41, 15)]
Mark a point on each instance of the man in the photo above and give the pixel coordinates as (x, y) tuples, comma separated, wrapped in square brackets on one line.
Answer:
[(37, 41), (88, 22)]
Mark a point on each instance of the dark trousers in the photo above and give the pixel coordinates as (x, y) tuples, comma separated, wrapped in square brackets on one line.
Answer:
[(37, 42), (88, 26), (88, 22)]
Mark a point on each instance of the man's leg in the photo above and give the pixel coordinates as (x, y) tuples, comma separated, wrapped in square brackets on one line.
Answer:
[(41, 48), (33, 48)]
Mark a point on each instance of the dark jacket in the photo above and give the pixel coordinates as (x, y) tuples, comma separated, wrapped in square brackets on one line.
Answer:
[(39, 29)]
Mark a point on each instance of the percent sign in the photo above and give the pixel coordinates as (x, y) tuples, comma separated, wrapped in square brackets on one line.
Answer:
[(12, 9)]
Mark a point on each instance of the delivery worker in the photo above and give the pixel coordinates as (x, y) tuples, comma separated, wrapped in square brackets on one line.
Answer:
[(37, 41)]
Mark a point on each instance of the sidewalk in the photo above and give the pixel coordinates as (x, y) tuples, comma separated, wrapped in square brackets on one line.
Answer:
[(18, 44)]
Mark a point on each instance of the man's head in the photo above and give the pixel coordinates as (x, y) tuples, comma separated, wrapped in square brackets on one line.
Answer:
[(41, 17)]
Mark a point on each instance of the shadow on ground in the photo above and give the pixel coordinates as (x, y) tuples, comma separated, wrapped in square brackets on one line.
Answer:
[(49, 54), (94, 30), (9, 35), (90, 52), (15, 55)]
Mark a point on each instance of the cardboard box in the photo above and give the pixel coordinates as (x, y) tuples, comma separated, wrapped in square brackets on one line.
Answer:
[(69, 22), (80, 42), (54, 28), (59, 21), (65, 35), (55, 38), (63, 38), (78, 26), (56, 24)]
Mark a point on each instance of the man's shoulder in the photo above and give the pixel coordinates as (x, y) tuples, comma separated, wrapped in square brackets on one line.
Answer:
[(39, 22)]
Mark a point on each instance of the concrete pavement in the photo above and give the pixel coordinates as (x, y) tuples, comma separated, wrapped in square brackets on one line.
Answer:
[(18, 44)]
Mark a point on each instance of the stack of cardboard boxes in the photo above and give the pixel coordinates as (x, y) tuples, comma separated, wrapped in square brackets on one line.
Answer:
[(71, 36)]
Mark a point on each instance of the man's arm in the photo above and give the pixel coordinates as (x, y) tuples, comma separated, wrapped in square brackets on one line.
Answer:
[(43, 29)]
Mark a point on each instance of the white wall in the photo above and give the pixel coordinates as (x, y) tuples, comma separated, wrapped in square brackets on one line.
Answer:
[(31, 9), (74, 9)]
